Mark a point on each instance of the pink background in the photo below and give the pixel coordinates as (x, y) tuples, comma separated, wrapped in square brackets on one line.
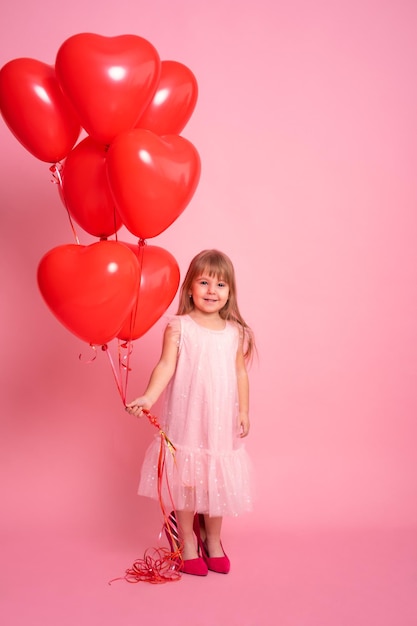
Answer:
[(306, 127)]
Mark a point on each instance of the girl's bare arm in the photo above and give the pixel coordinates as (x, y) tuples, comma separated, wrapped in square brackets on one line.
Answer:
[(160, 376)]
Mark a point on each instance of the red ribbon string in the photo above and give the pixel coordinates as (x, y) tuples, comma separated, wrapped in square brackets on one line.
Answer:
[(136, 307), (57, 180), (170, 527), (124, 365), (159, 565), (116, 373), (93, 357), (120, 373), (154, 421)]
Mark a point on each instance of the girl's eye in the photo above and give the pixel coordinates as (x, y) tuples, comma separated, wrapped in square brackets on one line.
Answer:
[(203, 282), (221, 285)]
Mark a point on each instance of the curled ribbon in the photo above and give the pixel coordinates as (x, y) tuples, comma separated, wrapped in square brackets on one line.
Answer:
[(156, 567)]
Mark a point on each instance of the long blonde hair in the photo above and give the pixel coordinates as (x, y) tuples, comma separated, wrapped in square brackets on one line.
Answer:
[(216, 263)]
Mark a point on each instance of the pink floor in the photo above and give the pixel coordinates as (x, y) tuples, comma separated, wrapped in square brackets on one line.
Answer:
[(298, 578)]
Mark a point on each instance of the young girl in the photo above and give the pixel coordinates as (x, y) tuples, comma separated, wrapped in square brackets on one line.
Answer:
[(205, 413)]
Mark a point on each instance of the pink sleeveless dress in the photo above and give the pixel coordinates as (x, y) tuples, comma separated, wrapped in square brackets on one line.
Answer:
[(211, 470)]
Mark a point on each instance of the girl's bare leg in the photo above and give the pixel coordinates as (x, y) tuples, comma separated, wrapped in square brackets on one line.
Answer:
[(186, 533), (212, 536)]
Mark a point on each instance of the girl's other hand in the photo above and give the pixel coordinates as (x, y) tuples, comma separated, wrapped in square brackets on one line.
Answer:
[(244, 424)]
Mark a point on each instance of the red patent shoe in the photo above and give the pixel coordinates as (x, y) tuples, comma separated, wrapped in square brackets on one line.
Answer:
[(196, 567), (219, 564)]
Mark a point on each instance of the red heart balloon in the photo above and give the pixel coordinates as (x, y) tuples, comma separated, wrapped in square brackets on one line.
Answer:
[(152, 179), (109, 80), (90, 289), (85, 189), (36, 111), (174, 100), (159, 280)]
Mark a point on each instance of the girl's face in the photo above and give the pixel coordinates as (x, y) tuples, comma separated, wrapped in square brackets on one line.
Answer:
[(209, 293)]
